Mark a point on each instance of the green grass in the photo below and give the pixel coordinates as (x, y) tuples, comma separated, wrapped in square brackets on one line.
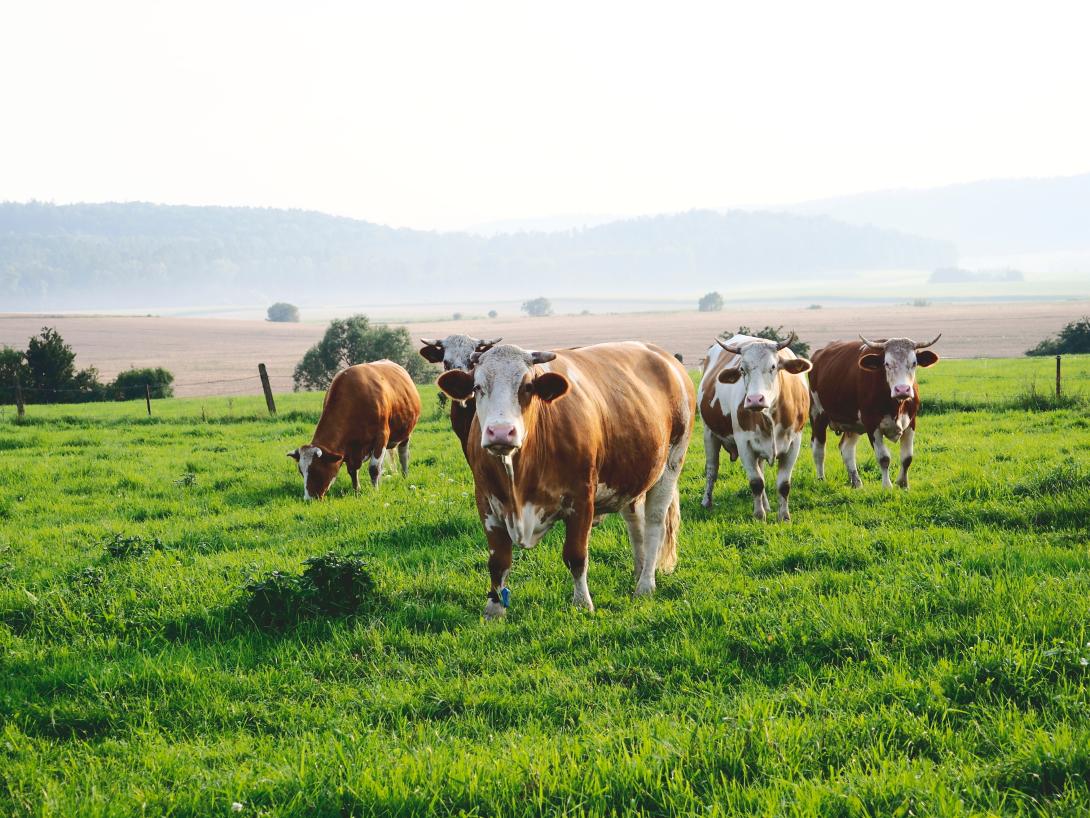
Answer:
[(888, 653)]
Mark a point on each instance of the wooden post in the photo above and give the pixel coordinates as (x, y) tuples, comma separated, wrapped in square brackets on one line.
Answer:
[(1057, 376), (19, 408), (147, 395), (264, 373)]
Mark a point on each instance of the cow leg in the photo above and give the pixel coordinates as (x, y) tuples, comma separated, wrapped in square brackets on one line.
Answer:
[(499, 561), (711, 465), (634, 518), (661, 520), (374, 468), (752, 464), (786, 461), (847, 451), (354, 473), (819, 430), (403, 456), (881, 454), (906, 456), (576, 540)]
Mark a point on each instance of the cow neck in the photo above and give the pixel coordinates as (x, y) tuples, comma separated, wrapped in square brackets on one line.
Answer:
[(512, 469)]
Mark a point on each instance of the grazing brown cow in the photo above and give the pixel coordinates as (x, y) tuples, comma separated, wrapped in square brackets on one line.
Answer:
[(754, 402), (368, 409), (454, 352), (573, 435), (867, 388)]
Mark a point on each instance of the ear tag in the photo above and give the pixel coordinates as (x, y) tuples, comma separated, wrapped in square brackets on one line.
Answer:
[(505, 596)]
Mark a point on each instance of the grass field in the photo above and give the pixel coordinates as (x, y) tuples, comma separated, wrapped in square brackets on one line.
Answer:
[(888, 653)]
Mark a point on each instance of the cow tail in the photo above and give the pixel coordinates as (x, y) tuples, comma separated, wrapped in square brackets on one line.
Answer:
[(671, 526)]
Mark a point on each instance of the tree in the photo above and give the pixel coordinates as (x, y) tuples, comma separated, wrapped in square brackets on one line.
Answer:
[(283, 312), (130, 384), (51, 363), (355, 340), (537, 307), (1071, 340), (492, 313), (800, 348), (710, 302)]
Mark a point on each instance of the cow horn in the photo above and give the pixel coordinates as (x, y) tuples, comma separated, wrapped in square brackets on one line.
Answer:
[(438, 342), (929, 343), (790, 340), (483, 346), (542, 357), (731, 350), (873, 344)]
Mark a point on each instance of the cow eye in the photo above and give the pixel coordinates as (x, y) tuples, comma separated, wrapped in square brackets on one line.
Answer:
[(477, 389)]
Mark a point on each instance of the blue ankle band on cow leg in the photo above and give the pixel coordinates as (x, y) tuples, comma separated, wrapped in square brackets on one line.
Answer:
[(505, 596)]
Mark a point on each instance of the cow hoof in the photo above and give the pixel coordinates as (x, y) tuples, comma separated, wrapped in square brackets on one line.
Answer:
[(706, 502), (583, 603), (784, 517), (494, 611), (902, 484), (760, 516), (644, 588)]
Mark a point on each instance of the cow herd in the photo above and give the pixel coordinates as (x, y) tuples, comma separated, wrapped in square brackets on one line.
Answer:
[(575, 434)]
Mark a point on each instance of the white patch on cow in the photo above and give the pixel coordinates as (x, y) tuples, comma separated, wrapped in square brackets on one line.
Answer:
[(307, 454), (494, 518), (892, 427), (816, 409), (607, 500), (580, 592)]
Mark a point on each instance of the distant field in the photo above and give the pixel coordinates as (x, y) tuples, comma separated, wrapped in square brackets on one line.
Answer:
[(220, 356), (888, 653)]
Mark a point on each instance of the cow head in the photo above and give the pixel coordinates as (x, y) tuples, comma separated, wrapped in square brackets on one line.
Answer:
[(454, 351), (899, 357), (758, 367), (506, 386), (319, 468)]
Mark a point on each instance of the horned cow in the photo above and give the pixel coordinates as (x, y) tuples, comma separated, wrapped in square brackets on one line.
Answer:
[(368, 409), (572, 435), (454, 352), (870, 389), (754, 402)]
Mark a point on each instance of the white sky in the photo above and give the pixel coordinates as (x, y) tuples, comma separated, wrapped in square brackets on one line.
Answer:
[(447, 114)]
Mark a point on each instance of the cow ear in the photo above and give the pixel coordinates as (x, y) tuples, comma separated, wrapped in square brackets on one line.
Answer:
[(294, 455), (730, 375), (872, 362), (332, 457), (457, 383), (432, 353), (796, 366), (550, 385), (925, 357)]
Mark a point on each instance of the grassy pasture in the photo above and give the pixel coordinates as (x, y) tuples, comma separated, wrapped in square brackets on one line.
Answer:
[(888, 653)]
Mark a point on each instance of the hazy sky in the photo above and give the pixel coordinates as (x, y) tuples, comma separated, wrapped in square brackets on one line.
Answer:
[(447, 114)]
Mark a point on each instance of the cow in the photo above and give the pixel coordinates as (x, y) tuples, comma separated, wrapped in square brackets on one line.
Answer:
[(368, 409), (573, 435), (870, 389), (754, 402), (454, 352)]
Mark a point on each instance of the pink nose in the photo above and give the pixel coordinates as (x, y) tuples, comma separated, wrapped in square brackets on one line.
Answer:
[(502, 433), (902, 391), (756, 401)]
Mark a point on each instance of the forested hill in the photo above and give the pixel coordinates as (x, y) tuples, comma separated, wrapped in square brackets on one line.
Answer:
[(102, 256)]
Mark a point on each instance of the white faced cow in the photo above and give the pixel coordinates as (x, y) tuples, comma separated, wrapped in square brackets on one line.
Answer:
[(573, 435), (454, 352), (870, 389), (754, 401)]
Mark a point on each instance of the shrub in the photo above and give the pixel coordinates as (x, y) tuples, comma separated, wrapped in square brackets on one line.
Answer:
[(492, 313), (331, 585), (456, 316), (48, 374), (1071, 340), (537, 307), (129, 385), (352, 341), (710, 302), (799, 347), (283, 312), (123, 547)]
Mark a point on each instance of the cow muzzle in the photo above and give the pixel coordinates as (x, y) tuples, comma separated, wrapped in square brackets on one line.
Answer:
[(755, 402), (501, 438), (902, 391)]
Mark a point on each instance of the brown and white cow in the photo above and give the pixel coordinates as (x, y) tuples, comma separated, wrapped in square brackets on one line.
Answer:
[(572, 435), (870, 389), (754, 402), (368, 409), (454, 352)]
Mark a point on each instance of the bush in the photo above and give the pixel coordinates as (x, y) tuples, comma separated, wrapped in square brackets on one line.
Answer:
[(492, 313), (283, 312), (537, 307), (1073, 339), (129, 385), (800, 348), (331, 585), (47, 372), (456, 316), (710, 302), (122, 547), (353, 341)]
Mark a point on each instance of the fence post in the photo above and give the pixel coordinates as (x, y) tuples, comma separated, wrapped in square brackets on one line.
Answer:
[(1057, 376), (147, 396), (19, 408), (264, 373)]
